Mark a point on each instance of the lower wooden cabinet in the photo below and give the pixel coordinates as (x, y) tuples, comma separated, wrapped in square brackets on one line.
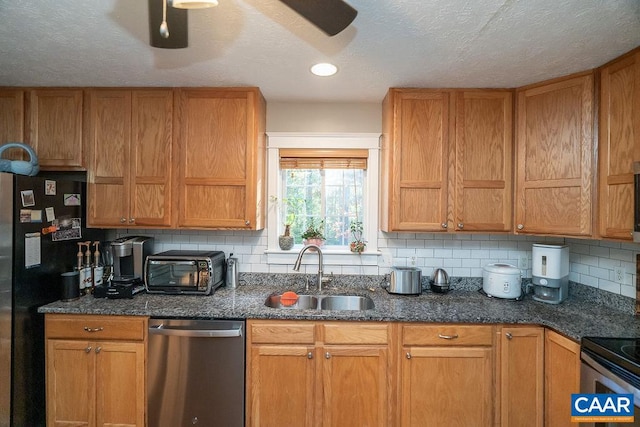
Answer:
[(95, 370), (318, 374), (447, 375), (561, 378), (521, 370)]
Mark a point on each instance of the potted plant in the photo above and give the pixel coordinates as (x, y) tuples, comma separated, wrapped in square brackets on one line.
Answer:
[(314, 234), (358, 244)]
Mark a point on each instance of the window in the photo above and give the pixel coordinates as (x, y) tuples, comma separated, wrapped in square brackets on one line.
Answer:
[(335, 181)]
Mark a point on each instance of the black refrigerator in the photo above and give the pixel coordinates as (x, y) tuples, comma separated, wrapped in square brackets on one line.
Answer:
[(32, 256)]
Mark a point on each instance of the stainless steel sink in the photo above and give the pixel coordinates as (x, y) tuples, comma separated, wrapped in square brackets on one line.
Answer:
[(324, 302), (346, 302)]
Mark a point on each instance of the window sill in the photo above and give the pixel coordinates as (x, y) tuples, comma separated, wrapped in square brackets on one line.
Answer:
[(329, 257)]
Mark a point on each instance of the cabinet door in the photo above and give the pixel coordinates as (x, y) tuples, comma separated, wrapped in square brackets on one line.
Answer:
[(150, 158), (220, 155), (522, 374), (354, 386), (55, 131), (619, 143), (415, 159), (555, 157), (281, 388), (483, 161), (562, 378), (109, 142), (12, 121), (447, 386), (70, 383), (120, 384)]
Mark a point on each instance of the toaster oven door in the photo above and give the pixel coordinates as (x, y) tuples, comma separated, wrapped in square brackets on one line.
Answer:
[(172, 276)]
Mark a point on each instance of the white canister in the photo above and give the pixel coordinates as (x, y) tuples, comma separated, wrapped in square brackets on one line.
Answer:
[(502, 280)]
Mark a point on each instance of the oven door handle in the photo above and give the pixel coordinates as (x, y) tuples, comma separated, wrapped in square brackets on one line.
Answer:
[(202, 333)]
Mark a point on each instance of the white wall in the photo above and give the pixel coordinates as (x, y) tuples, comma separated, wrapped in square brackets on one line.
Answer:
[(324, 117)]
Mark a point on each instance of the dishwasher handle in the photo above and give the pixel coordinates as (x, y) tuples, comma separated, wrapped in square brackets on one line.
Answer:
[(205, 333)]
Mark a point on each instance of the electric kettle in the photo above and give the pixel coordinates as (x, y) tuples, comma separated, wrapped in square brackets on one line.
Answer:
[(19, 167)]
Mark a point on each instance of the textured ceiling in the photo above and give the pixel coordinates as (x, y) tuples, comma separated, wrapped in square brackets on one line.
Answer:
[(391, 43)]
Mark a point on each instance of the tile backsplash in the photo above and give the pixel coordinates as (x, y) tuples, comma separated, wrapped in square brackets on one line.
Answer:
[(610, 266)]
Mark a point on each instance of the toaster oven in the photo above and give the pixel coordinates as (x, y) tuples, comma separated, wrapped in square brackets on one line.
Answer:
[(184, 272)]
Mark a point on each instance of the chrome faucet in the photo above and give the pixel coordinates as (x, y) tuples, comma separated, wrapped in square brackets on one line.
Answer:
[(296, 266)]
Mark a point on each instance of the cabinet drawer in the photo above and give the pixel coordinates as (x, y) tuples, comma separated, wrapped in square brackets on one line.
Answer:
[(282, 332), (356, 333), (89, 327), (447, 335)]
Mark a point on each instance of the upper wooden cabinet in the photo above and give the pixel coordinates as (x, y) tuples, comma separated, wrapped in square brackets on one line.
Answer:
[(483, 161), (555, 152), (55, 128), (129, 174), (12, 121), (619, 144), (220, 156), (446, 160)]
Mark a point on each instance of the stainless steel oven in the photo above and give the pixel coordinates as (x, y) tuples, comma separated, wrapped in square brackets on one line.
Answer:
[(611, 366)]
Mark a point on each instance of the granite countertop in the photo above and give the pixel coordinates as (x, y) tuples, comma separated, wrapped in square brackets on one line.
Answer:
[(587, 311)]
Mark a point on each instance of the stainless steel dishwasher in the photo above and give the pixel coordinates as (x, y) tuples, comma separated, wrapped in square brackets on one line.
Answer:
[(195, 373)]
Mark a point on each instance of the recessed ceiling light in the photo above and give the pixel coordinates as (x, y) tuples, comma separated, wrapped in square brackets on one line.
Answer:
[(193, 4), (324, 69)]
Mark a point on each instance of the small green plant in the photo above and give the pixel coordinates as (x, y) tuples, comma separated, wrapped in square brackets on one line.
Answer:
[(358, 244), (313, 230)]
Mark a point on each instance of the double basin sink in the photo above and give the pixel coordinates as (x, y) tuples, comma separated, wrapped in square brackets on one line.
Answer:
[(323, 302)]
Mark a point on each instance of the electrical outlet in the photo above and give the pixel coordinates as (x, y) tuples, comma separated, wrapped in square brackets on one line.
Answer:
[(412, 261), (523, 262), (618, 273)]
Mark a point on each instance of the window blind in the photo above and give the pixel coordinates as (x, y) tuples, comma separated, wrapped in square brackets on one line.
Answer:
[(323, 159)]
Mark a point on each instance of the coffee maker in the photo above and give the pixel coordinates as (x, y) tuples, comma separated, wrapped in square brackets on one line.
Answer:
[(550, 273), (128, 254)]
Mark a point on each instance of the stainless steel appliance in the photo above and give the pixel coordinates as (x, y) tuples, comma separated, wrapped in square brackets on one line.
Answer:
[(636, 202), (611, 365), (129, 254), (184, 272), (26, 284), (195, 373), (502, 281), (550, 273), (405, 280), (439, 281)]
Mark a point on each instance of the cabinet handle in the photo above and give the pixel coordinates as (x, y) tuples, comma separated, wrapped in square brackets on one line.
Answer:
[(88, 329), (508, 335), (98, 349), (310, 355), (444, 225), (247, 222), (460, 225), (123, 220), (132, 220), (520, 227), (408, 355), (327, 355), (448, 337), (87, 350)]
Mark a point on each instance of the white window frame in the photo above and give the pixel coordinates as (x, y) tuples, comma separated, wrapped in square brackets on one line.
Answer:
[(336, 141)]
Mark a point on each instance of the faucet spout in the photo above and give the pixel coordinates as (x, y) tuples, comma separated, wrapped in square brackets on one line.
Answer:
[(296, 265)]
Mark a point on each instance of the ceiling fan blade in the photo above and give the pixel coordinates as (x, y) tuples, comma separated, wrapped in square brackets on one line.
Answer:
[(331, 16), (177, 22)]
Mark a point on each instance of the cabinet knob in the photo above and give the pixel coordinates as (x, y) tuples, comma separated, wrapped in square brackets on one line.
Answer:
[(123, 220), (408, 355), (132, 220), (508, 335), (87, 350), (448, 337), (460, 225), (310, 355), (520, 226), (444, 225), (327, 355), (247, 222), (98, 349)]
